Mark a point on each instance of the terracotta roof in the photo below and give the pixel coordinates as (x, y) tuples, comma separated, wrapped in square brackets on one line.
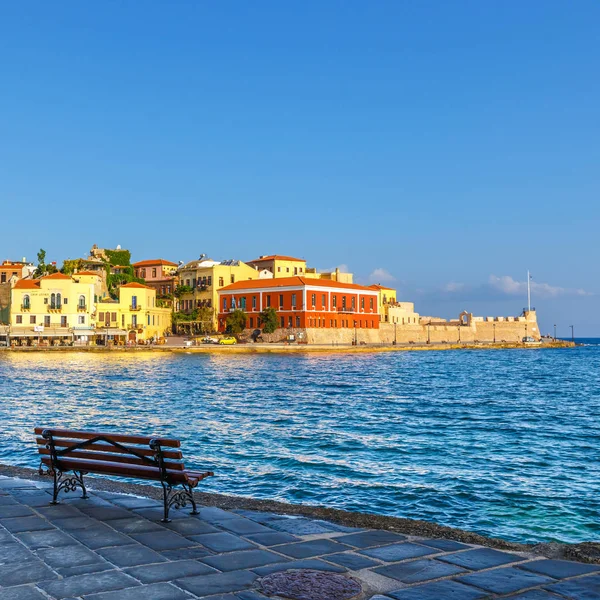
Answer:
[(58, 275), (27, 284), (279, 282), (158, 261), (377, 286), (94, 273), (276, 257), (134, 284)]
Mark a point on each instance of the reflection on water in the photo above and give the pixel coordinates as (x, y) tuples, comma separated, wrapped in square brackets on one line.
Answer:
[(500, 442)]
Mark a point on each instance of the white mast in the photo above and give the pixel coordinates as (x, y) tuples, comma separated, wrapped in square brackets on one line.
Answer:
[(528, 291)]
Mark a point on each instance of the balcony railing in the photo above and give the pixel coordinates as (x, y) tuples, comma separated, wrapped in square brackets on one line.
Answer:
[(54, 307), (25, 307), (135, 307), (346, 309), (135, 326), (82, 307)]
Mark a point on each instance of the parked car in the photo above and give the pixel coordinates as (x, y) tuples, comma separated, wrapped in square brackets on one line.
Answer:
[(209, 340), (227, 340)]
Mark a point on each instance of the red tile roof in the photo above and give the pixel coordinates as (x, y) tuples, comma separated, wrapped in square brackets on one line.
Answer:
[(58, 275), (95, 273), (276, 257), (158, 261), (27, 284), (134, 284), (292, 282)]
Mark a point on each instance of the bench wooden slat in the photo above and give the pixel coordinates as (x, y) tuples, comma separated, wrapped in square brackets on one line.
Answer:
[(108, 468), (103, 447), (117, 437), (106, 457)]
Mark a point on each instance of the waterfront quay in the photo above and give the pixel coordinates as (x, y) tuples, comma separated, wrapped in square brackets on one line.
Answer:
[(112, 546)]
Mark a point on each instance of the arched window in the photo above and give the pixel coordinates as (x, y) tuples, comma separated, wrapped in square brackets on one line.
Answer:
[(58, 300), (82, 301), (26, 301), (52, 300)]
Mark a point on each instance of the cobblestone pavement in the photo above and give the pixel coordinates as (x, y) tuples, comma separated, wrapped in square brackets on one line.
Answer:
[(113, 547)]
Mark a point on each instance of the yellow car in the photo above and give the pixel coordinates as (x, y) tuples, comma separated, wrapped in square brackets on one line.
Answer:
[(228, 340)]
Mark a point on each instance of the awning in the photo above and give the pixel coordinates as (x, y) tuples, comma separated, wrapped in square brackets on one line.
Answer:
[(109, 331), (54, 332)]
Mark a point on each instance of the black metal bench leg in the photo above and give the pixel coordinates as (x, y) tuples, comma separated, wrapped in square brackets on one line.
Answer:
[(85, 495), (166, 489), (55, 488), (190, 491)]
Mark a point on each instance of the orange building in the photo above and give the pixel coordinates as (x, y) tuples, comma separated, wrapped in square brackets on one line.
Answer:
[(15, 269), (302, 302)]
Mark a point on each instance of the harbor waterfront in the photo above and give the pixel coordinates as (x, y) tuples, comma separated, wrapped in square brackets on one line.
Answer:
[(501, 443)]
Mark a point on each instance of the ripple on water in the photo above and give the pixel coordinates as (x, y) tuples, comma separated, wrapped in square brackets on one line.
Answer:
[(504, 443)]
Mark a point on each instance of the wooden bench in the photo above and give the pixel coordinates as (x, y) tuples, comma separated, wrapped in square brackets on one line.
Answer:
[(65, 451)]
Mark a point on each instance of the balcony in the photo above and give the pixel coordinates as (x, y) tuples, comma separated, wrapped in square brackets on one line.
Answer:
[(54, 307), (82, 307), (135, 326), (135, 307), (25, 307), (346, 309)]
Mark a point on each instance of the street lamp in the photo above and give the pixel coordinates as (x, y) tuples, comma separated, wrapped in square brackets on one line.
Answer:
[(395, 333), (555, 332), (572, 333), (459, 333), (355, 335), (494, 333), (428, 335)]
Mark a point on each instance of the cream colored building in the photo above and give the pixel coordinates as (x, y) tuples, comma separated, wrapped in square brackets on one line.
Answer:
[(56, 309), (136, 317), (288, 266)]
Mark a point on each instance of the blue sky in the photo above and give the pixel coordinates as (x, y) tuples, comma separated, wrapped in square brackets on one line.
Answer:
[(441, 147)]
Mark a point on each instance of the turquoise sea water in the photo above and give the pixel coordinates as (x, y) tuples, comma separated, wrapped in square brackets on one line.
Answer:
[(503, 442)]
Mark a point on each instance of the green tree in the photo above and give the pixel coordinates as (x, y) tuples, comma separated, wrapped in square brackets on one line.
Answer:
[(236, 321), (42, 268), (70, 266), (268, 319), (182, 289)]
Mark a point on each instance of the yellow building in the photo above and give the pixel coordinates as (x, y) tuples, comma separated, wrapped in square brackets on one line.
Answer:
[(392, 311), (54, 310), (206, 277), (288, 266), (136, 317)]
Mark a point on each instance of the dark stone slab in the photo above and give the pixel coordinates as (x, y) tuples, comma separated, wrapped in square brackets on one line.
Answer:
[(71, 523), (445, 545), (418, 571), (559, 569), (6, 501), (337, 526), (533, 595), (106, 513), (298, 526), (59, 511), (155, 514), (259, 516), (367, 539), (82, 569), (243, 526), (162, 540), (169, 571), (100, 536), (307, 563), (272, 538), (354, 562), (67, 556), (211, 513), (19, 524), (190, 526), (36, 500), (440, 590), (193, 553), (135, 502), (132, 555), (505, 581), (480, 558), (155, 591), (135, 525), (582, 588), (219, 583), (246, 559), (12, 483), (12, 552), (25, 592), (222, 542), (396, 552), (91, 583), (27, 571), (15, 510), (312, 548)]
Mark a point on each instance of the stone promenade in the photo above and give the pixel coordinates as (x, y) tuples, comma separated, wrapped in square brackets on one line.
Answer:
[(113, 547)]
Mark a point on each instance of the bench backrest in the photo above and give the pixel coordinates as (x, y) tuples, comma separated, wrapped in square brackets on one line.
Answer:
[(119, 454)]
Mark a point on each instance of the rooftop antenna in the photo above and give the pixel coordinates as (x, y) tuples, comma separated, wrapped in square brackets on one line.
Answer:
[(528, 291)]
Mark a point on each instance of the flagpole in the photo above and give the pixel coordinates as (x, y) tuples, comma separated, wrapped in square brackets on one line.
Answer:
[(528, 291)]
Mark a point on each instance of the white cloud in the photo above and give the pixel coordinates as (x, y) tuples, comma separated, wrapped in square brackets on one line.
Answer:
[(511, 287), (453, 286), (381, 276), (343, 269)]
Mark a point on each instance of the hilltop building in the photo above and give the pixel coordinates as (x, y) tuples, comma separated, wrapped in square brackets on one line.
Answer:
[(302, 302), (159, 274), (288, 266)]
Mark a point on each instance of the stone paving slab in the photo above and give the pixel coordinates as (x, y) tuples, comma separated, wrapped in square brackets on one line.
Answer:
[(114, 547)]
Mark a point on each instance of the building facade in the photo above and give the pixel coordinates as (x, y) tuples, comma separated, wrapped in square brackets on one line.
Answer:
[(301, 303), (159, 274), (136, 317), (288, 266)]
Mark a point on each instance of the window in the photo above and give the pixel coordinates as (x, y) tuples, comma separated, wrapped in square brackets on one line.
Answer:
[(371, 303), (81, 301), (280, 301), (143, 273), (344, 302), (297, 321), (224, 303), (334, 301), (134, 320), (233, 302), (19, 319), (282, 321), (353, 302), (123, 321), (295, 270), (293, 300), (209, 280), (65, 301), (81, 319), (3, 277), (32, 319), (45, 300), (268, 298), (362, 302), (26, 301), (243, 302), (300, 269), (287, 269), (52, 300), (279, 269), (313, 300), (251, 322), (253, 304), (47, 321), (133, 301), (233, 279), (113, 317), (148, 323), (221, 282), (153, 272), (63, 321), (290, 321), (324, 300), (194, 283)]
